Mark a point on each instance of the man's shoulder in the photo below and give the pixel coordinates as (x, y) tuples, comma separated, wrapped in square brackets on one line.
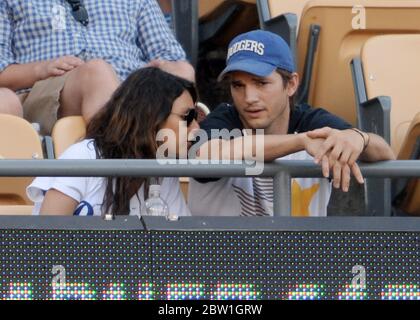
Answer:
[(306, 118)]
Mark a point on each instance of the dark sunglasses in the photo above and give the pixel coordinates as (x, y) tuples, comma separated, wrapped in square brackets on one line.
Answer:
[(79, 12), (189, 117)]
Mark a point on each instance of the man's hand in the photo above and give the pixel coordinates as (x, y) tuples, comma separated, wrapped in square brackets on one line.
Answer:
[(339, 153), (57, 67), (312, 146)]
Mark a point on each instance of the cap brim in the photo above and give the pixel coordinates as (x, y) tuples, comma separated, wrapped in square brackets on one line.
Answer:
[(260, 69)]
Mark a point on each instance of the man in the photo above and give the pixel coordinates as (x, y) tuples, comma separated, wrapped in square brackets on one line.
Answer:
[(263, 82), (73, 54)]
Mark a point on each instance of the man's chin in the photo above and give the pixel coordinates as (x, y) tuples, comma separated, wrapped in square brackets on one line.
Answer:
[(256, 124)]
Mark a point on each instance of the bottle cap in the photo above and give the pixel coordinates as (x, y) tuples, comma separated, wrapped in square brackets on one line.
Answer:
[(109, 217), (172, 217), (154, 188)]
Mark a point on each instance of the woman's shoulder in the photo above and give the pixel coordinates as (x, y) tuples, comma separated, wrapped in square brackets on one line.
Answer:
[(84, 149)]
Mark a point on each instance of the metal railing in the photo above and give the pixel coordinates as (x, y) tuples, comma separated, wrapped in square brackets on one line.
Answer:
[(280, 170)]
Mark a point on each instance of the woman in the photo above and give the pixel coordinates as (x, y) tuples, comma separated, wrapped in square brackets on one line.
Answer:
[(148, 101)]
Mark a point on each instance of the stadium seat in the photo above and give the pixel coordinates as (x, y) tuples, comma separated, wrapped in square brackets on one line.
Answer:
[(391, 67), (274, 8), (386, 78), (18, 210), (282, 18), (338, 26), (67, 131), (18, 140), (407, 192)]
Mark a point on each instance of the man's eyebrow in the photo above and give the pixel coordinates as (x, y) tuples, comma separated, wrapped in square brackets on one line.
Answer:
[(259, 78)]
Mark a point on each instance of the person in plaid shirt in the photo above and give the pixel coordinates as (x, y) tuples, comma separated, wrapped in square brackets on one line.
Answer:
[(67, 57)]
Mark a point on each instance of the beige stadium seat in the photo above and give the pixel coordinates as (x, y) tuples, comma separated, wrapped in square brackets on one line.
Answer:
[(67, 131), (282, 18), (408, 145), (287, 6), (389, 66), (409, 200), (275, 8), (18, 210), (18, 140), (341, 37)]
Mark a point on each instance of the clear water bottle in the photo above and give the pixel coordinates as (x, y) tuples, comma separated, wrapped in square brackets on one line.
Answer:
[(155, 205)]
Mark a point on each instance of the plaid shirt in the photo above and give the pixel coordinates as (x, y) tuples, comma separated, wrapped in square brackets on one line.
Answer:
[(125, 33)]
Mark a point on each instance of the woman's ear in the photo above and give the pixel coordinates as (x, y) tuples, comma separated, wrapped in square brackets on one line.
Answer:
[(293, 84)]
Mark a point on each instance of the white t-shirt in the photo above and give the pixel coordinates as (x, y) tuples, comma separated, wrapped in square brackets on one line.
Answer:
[(89, 191), (254, 196)]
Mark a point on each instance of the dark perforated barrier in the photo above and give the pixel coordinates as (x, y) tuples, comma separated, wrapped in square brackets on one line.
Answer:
[(324, 258)]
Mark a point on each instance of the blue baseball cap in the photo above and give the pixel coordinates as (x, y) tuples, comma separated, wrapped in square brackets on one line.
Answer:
[(258, 52)]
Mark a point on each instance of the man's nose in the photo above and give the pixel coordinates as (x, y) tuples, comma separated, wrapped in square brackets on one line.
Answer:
[(251, 94)]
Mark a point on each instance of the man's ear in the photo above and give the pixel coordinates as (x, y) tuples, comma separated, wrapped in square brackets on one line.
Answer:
[(293, 84)]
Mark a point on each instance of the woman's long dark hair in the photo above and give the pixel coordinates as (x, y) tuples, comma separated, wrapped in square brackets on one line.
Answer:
[(126, 127)]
